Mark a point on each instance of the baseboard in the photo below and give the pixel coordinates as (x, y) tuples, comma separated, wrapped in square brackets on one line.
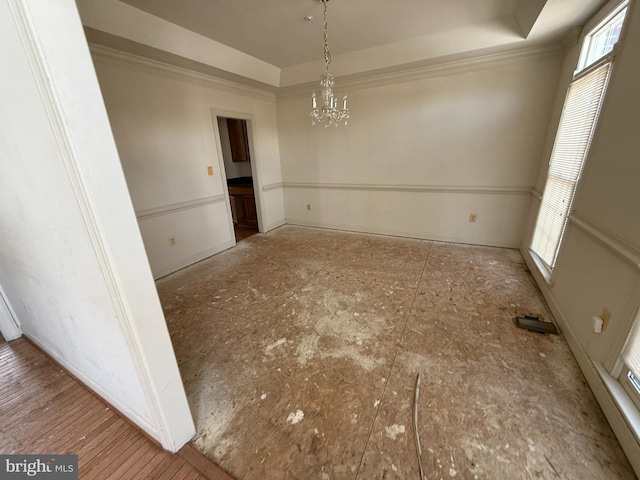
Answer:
[(190, 260), (130, 416), (274, 225), (487, 242), (604, 397)]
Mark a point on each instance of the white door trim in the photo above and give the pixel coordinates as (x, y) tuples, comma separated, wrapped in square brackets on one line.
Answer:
[(9, 324)]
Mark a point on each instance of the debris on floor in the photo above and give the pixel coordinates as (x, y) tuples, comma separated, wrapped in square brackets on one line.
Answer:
[(534, 324)]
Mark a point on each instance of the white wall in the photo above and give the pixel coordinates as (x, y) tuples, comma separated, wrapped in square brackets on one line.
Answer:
[(425, 149), (163, 119), (599, 263), (72, 262)]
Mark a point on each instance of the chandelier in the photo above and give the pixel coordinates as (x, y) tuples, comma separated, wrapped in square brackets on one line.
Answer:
[(328, 113)]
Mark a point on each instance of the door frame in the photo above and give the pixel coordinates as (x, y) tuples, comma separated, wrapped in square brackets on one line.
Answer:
[(254, 160), (9, 324)]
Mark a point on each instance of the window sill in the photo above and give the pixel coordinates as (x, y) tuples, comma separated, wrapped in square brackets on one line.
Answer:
[(542, 268), (626, 406)]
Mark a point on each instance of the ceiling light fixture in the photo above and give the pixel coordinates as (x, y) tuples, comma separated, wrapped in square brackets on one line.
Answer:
[(328, 113)]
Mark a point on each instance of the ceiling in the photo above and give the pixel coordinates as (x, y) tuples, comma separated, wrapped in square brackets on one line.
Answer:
[(364, 35), (276, 30)]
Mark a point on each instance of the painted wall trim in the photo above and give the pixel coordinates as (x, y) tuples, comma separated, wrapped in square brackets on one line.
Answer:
[(466, 189), (487, 242), (607, 402), (106, 262), (156, 66), (274, 225), (130, 414), (373, 79), (9, 322), (272, 186), (607, 238), (537, 194), (196, 257), (176, 207)]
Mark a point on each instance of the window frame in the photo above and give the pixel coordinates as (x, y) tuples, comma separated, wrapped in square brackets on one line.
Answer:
[(632, 389), (599, 21), (593, 28)]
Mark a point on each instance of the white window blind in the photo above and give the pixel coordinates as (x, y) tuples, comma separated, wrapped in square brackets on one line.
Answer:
[(581, 109), (632, 350)]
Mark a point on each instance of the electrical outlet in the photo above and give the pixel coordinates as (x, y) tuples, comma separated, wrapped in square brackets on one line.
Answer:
[(605, 316), (473, 217), (172, 241), (308, 206), (210, 170)]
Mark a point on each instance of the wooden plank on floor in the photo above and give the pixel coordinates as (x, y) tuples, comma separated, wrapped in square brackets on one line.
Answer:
[(170, 470), (125, 448), (162, 461), (132, 465), (105, 450), (38, 421), (205, 466), (142, 470)]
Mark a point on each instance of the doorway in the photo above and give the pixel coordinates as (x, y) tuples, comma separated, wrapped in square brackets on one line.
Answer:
[(236, 154)]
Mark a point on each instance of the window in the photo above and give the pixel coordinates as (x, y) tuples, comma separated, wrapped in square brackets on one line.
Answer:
[(603, 38), (575, 132), (630, 377)]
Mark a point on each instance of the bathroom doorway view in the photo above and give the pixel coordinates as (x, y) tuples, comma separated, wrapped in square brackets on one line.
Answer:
[(236, 155)]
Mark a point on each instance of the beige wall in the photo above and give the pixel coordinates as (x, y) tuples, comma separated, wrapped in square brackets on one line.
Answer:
[(599, 262), (423, 152), (163, 119)]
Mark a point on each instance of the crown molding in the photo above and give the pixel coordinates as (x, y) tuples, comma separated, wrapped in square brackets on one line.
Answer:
[(369, 79), (143, 63), (420, 72)]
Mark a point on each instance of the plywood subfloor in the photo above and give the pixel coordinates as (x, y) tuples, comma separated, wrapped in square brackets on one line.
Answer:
[(43, 410), (299, 350)]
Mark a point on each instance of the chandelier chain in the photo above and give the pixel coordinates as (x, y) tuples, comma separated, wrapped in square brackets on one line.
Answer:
[(327, 53)]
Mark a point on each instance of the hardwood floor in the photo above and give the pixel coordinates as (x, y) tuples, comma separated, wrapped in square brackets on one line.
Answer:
[(244, 232), (44, 410)]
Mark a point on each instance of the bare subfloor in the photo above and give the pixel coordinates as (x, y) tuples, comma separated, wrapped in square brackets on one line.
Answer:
[(299, 351)]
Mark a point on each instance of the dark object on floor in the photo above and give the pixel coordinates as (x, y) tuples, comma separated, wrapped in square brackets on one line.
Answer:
[(534, 324)]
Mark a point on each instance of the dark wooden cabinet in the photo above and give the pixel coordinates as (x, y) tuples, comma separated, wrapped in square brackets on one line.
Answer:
[(238, 139), (245, 204)]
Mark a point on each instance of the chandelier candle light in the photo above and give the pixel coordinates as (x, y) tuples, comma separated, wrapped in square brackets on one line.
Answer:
[(328, 114)]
